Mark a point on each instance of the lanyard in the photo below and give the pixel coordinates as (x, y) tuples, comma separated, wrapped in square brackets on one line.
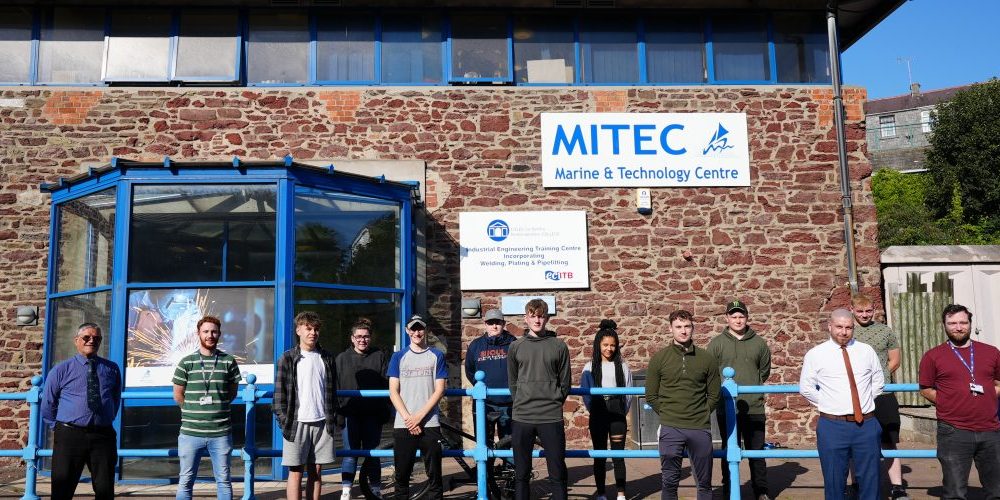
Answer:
[(208, 378), (971, 365)]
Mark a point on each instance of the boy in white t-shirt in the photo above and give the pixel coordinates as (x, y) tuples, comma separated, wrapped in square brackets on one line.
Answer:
[(305, 404)]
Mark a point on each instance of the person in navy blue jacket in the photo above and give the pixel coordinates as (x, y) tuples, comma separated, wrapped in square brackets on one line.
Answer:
[(488, 353)]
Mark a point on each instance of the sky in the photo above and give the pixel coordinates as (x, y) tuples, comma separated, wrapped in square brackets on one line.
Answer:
[(947, 42)]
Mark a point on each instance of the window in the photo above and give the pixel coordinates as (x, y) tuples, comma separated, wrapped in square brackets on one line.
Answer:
[(339, 309), (68, 313), (887, 126), (279, 47), (345, 48), (479, 47), (347, 240), (139, 46), (801, 47), (925, 121), (739, 45), (675, 49), (72, 46), (206, 46), (411, 48), (202, 233), (86, 242), (15, 45), (608, 50), (543, 49)]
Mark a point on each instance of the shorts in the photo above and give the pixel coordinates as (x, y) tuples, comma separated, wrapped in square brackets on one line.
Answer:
[(312, 445), (887, 413)]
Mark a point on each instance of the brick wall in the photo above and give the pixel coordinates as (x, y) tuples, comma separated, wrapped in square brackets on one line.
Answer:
[(777, 244)]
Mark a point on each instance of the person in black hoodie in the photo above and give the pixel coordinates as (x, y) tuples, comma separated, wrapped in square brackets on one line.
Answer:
[(363, 366), (488, 353), (538, 371)]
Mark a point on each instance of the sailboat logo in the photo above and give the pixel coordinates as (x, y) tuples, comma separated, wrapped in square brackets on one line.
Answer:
[(719, 141)]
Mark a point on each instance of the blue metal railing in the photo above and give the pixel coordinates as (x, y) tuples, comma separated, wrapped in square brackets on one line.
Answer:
[(249, 396)]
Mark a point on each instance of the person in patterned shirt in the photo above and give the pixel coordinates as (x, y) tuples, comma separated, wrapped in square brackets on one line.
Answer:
[(886, 345), (205, 382)]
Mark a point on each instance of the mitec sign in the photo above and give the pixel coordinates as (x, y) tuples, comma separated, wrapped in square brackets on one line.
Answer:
[(645, 149)]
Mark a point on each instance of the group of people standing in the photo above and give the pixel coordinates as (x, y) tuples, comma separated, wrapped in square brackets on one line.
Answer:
[(843, 377)]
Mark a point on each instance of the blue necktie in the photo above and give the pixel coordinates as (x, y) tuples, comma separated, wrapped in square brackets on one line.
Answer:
[(93, 388)]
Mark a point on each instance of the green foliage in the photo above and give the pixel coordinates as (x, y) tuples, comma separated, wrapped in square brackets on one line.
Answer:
[(957, 202), (964, 155)]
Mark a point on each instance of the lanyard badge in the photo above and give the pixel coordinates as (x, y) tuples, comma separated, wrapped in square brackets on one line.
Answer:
[(976, 389)]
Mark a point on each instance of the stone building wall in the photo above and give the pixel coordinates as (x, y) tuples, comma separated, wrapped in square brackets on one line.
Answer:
[(777, 244)]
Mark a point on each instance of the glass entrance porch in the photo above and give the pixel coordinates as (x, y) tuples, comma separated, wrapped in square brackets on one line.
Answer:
[(146, 249)]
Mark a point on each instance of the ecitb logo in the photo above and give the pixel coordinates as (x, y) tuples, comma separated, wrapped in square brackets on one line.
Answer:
[(719, 141), (498, 230), (558, 275)]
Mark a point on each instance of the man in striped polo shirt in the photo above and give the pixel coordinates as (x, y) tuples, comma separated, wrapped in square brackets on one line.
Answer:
[(205, 382)]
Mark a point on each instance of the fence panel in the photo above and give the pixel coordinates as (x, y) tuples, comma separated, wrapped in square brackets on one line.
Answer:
[(917, 318)]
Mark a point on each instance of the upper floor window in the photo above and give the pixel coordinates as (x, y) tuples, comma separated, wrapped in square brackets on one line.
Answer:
[(801, 47), (739, 45), (15, 44), (479, 49), (543, 49), (139, 46), (207, 46), (71, 46), (887, 126), (925, 121), (278, 50), (675, 49), (345, 47), (411, 48), (608, 50)]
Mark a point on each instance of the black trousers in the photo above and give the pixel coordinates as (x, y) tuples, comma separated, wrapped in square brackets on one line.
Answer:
[(553, 438), (97, 448), (750, 436), (603, 426), (405, 455)]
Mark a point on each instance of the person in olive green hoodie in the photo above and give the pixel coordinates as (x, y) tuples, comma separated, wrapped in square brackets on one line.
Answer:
[(682, 387), (739, 347)]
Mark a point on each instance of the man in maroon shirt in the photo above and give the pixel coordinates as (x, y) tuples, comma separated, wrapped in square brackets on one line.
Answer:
[(959, 377)]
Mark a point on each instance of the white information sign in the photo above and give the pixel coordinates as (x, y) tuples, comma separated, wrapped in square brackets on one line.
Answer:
[(523, 250), (645, 150)]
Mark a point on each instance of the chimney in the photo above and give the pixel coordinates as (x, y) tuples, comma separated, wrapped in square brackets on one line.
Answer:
[(915, 89)]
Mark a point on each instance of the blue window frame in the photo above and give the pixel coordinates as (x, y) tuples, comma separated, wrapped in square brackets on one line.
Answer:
[(138, 47), (609, 51), (207, 46), (345, 47), (412, 48)]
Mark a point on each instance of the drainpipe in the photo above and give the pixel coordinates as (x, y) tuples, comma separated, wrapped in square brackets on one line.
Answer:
[(838, 117)]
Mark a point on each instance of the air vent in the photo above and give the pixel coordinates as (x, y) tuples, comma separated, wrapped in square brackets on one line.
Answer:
[(568, 4), (327, 3), (601, 4), (284, 3)]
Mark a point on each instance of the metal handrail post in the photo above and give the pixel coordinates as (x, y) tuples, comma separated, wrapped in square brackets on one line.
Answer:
[(249, 453), (478, 394), (30, 453), (733, 453)]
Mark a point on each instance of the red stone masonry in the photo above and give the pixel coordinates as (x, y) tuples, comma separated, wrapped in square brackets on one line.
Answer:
[(776, 244)]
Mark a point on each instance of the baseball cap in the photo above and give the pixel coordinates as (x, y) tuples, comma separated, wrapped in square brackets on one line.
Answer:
[(737, 305), (416, 320), (493, 314)]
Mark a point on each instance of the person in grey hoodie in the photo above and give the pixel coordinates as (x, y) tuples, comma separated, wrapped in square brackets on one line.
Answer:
[(739, 347), (539, 377)]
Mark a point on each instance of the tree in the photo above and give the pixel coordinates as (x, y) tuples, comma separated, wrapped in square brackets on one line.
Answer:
[(900, 205), (964, 160)]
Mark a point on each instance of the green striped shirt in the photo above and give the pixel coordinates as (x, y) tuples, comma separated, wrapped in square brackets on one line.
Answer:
[(204, 377)]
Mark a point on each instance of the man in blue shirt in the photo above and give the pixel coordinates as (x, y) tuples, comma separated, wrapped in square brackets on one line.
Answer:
[(488, 353), (80, 400)]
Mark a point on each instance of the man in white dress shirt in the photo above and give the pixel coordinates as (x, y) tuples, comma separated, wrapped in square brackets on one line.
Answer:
[(841, 378)]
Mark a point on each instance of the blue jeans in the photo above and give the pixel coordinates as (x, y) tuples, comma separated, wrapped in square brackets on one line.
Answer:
[(190, 449), (957, 449), (361, 434)]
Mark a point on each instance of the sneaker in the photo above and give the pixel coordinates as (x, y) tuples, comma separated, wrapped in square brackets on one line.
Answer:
[(345, 494), (898, 493), (621, 497), (377, 491)]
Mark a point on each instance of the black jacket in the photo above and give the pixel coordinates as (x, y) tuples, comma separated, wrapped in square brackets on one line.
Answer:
[(364, 371)]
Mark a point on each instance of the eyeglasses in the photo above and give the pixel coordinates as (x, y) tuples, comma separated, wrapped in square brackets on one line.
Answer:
[(87, 338), (495, 322), (362, 337)]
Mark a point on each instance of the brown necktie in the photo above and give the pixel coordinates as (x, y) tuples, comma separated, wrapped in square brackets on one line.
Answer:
[(855, 399)]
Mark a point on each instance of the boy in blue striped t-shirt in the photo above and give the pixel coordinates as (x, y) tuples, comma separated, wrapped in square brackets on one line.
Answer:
[(205, 382)]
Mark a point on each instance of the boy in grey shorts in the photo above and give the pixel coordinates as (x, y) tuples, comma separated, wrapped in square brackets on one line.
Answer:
[(305, 405)]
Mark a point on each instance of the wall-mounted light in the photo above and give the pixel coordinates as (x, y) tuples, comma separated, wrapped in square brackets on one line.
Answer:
[(27, 315), (471, 308)]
